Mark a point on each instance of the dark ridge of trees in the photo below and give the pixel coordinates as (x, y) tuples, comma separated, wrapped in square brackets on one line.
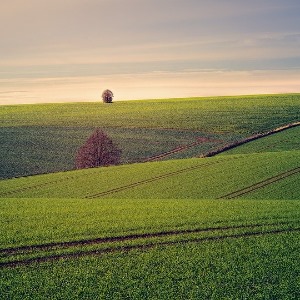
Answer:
[(107, 96), (98, 150)]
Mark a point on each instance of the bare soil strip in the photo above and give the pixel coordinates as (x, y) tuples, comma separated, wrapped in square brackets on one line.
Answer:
[(142, 247), (261, 184), (250, 139)]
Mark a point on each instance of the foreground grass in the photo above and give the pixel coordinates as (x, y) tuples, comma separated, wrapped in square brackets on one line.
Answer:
[(261, 267), (44, 138), (252, 252)]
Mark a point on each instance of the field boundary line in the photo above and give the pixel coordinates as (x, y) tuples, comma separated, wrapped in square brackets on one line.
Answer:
[(250, 139), (97, 252), (261, 184)]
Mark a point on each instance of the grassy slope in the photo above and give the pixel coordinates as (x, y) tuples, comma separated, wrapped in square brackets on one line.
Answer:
[(175, 179), (229, 113), (283, 141), (44, 138), (44, 149)]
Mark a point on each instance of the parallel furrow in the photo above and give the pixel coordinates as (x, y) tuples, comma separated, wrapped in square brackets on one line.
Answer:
[(176, 150), (131, 237), (141, 247), (152, 179), (261, 184)]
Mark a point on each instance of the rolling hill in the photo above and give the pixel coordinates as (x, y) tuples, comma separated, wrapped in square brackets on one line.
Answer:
[(221, 227), (39, 139)]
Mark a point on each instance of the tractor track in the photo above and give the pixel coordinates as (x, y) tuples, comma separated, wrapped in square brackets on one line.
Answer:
[(152, 179), (176, 150), (128, 248), (261, 184), (200, 141), (122, 238)]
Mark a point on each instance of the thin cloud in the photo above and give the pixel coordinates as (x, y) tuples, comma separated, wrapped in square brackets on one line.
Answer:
[(45, 42)]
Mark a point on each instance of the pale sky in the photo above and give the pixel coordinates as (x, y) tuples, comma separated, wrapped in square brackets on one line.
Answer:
[(71, 50)]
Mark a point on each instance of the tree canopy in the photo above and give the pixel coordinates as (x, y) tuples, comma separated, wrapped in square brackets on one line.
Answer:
[(107, 96), (98, 150)]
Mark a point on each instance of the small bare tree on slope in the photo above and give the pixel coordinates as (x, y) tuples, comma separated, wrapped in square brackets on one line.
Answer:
[(98, 150)]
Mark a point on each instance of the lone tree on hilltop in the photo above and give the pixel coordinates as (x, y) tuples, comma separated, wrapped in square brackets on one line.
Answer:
[(107, 96), (98, 150)]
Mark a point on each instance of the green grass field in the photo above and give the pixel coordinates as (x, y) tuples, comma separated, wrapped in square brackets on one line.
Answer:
[(44, 138), (118, 249), (224, 227)]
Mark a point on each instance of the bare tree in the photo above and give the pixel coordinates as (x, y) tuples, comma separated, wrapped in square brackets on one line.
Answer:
[(107, 96), (98, 150)]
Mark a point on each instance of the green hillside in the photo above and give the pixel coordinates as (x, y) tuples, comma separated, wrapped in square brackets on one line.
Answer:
[(44, 138), (221, 227), (196, 178)]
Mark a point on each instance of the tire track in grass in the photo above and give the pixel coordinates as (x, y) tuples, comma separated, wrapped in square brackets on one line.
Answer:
[(261, 184), (176, 150), (152, 179), (181, 148), (142, 247), (122, 238)]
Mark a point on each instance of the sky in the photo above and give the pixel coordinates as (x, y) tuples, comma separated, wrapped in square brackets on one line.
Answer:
[(71, 50)]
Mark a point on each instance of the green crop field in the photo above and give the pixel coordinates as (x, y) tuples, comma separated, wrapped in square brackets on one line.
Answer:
[(221, 227), (44, 138), (59, 247), (118, 249)]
